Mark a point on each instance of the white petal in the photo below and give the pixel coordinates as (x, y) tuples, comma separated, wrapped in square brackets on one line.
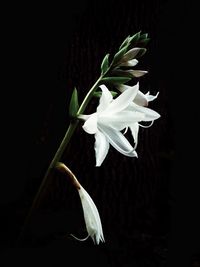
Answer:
[(151, 97), (91, 216), (101, 147), (118, 141), (134, 130), (90, 126), (121, 120), (105, 99), (141, 99), (150, 115), (123, 100)]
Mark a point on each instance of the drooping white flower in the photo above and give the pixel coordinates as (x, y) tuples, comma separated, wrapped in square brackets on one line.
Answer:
[(111, 117), (90, 211), (91, 216)]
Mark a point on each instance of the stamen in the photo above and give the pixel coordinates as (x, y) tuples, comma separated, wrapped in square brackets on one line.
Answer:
[(147, 126), (80, 239), (125, 131)]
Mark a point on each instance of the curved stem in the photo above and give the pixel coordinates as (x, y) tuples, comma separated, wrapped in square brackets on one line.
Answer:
[(89, 96), (58, 156)]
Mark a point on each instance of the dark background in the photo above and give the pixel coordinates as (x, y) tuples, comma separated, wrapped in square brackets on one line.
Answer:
[(149, 206)]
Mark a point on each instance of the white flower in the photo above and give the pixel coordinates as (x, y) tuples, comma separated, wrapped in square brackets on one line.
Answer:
[(91, 216), (140, 99), (111, 117), (90, 212), (139, 104)]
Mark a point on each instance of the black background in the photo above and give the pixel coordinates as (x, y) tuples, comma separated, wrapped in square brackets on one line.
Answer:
[(149, 206)]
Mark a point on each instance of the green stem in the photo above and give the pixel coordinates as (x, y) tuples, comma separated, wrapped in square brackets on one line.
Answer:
[(58, 156), (89, 96)]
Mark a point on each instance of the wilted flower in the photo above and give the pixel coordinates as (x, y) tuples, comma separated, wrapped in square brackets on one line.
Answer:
[(90, 212), (91, 216)]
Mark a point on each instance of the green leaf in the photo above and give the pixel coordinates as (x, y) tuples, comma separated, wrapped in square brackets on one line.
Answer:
[(114, 93), (123, 73), (116, 80), (105, 64), (125, 42), (73, 106), (143, 36), (133, 40), (143, 42), (119, 54), (99, 93)]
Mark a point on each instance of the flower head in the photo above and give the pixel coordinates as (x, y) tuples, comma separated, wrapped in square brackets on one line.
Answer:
[(114, 115), (111, 117), (90, 212), (91, 216)]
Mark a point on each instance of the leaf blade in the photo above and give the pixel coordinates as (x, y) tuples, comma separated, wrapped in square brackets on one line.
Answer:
[(74, 105), (105, 64), (116, 80)]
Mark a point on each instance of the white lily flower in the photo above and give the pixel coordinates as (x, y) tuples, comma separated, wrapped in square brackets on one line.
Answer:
[(111, 117), (139, 104), (90, 212)]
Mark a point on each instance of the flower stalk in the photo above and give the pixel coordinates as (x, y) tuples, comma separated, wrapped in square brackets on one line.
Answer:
[(57, 157)]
